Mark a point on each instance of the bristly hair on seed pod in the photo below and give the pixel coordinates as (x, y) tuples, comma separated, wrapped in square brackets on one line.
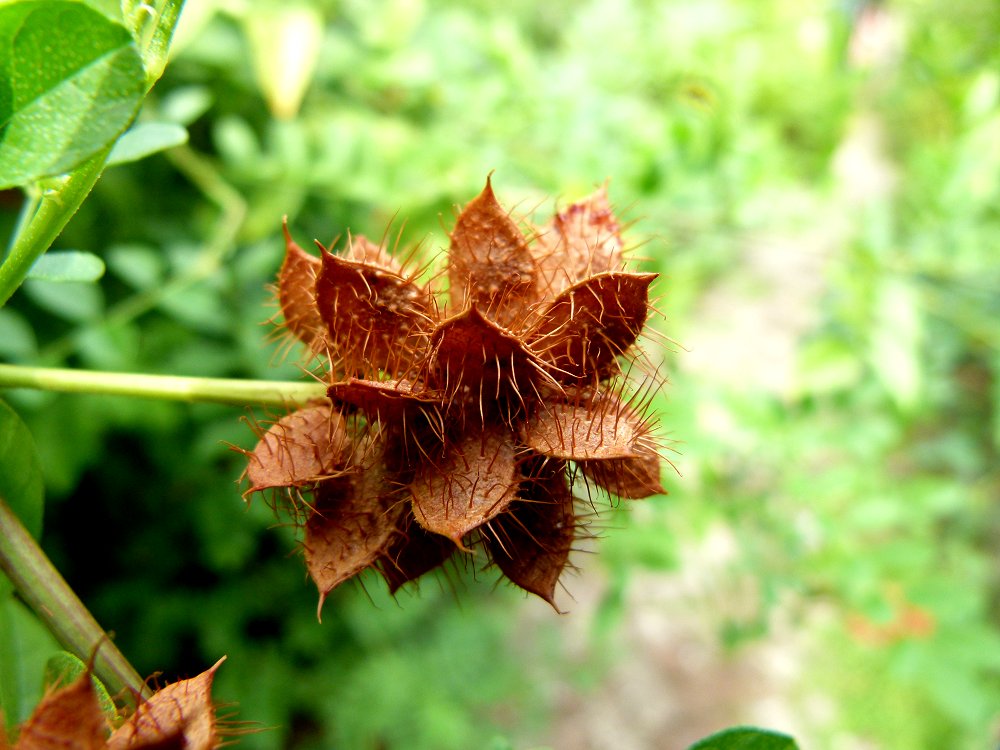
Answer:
[(467, 417)]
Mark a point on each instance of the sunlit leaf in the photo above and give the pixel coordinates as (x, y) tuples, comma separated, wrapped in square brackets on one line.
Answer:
[(67, 265), (145, 139), (58, 109)]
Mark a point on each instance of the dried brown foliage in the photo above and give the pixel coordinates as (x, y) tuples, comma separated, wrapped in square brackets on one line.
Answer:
[(179, 716), (459, 419)]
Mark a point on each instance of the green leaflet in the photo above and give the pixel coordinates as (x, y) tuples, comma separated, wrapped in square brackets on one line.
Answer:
[(70, 82), (745, 738)]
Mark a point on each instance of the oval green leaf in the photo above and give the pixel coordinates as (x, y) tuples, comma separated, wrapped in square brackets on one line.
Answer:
[(746, 738), (70, 83), (67, 265), (146, 139)]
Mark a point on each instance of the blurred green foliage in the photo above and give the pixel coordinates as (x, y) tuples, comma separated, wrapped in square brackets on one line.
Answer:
[(858, 472)]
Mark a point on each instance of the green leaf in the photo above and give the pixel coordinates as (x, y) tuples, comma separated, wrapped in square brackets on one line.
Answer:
[(20, 472), (70, 300), (746, 738), (25, 644), (67, 265), (70, 83), (146, 139), (63, 667), (152, 24)]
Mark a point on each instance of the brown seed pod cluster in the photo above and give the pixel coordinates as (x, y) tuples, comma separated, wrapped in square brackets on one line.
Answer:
[(463, 420)]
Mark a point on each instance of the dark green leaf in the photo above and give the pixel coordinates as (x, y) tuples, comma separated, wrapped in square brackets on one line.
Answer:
[(20, 473), (70, 82), (67, 265), (746, 738), (146, 139)]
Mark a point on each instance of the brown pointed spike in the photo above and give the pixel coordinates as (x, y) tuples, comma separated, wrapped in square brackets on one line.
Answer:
[(580, 241), (69, 717), (532, 541), (413, 553), (374, 317), (180, 715), (471, 483), (299, 449), (593, 426), (490, 265), (628, 478), (590, 324), (297, 295), (363, 250), (354, 520)]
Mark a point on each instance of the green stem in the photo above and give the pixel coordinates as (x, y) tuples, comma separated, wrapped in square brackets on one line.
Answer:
[(54, 212), (167, 387), (51, 598)]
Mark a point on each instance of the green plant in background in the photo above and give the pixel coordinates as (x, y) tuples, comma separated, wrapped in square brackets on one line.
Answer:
[(854, 471)]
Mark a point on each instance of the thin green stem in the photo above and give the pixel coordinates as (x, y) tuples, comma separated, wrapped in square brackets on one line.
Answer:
[(54, 212), (53, 601), (165, 387)]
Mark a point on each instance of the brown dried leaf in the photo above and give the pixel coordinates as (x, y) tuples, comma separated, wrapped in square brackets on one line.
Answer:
[(386, 400), (532, 541), (490, 265), (69, 717), (628, 478), (373, 316), (299, 449), (581, 241), (355, 518), (297, 295), (590, 324), (594, 426), (413, 552), (471, 483), (471, 353), (180, 715)]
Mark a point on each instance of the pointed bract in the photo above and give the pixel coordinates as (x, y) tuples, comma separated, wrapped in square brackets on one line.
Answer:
[(297, 295), (595, 426), (474, 481), (592, 323), (582, 240), (490, 265), (363, 250), (628, 478), (372, 316), (299, 450), (69, 717), (354, 519), (531, 543), (412, 553), (181, 713)]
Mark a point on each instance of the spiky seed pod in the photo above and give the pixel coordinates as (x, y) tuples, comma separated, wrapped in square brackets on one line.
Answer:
[(461, 425)]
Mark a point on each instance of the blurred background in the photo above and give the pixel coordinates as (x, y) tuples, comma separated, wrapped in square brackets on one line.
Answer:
[(818, 184)]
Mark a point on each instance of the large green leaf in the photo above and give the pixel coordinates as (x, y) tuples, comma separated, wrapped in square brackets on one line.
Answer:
[(746, 738), (20, 473), (70, 83)]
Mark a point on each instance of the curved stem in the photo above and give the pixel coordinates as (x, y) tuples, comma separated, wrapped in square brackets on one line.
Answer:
[(53, 601), (54, 212), (166, 387)]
